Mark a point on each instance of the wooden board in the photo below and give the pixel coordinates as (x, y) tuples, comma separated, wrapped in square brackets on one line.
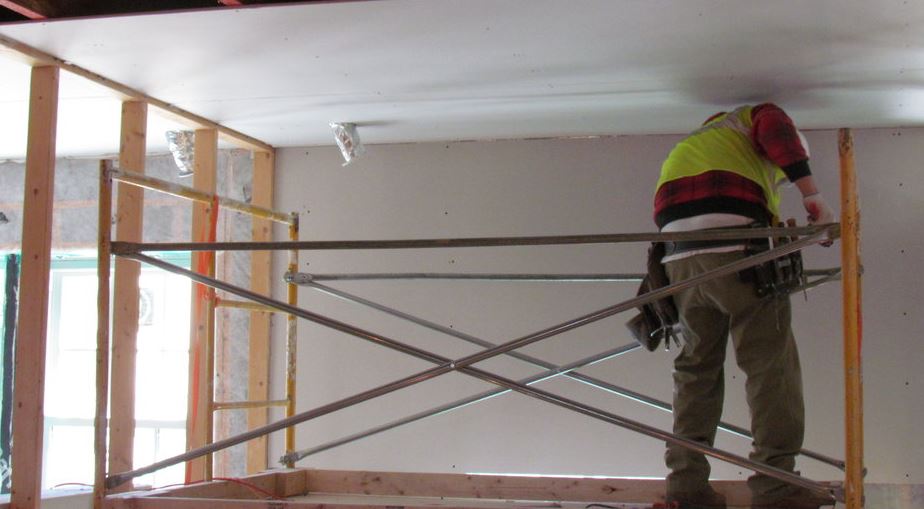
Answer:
[(201, 319), (307, 488), (129, 224), (260, 269), (29, 376)]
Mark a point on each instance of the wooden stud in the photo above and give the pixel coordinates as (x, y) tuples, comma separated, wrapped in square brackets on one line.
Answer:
[(28, 8), (260, 269), (39, 57), (129, 224), (853, 322), (29, 376), (100, 424), (198, 418)]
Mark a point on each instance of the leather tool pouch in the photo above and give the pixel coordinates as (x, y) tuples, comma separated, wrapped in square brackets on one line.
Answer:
[(776, 277), (656, 320)]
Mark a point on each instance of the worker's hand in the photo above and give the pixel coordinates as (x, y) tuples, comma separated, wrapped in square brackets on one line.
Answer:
[(818, 212)]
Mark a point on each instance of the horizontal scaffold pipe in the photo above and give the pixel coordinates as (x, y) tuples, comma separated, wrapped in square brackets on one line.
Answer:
[(464, 365), (304, 278), (125, 248), (189, 193)]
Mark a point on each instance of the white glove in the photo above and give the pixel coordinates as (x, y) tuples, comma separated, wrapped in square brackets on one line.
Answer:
[(818, 213), (818, 210)]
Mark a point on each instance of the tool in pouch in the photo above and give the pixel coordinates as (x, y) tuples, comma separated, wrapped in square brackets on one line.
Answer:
[(780, 276), (658, 320)]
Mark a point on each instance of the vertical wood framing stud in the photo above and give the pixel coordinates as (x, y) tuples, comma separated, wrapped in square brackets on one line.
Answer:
[(201, 318), (126, 292), (260, 269), (29, 371)]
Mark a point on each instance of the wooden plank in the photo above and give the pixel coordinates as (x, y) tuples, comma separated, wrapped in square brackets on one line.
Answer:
[(280, 483), (100, 423), (260, 270), (853, 322), (504, 487), (204, 503), (37, 57), (202, 319), (29, 375), (29, 8), (129, 224)]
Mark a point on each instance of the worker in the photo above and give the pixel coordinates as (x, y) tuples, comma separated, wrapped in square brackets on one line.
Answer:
[(727, 174)]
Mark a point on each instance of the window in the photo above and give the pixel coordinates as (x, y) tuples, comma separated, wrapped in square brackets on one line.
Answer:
[(161, 372)]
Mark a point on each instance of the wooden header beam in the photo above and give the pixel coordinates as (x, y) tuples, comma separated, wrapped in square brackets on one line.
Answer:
[(38, 57)]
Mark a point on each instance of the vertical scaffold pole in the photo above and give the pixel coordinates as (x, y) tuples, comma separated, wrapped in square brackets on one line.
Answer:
[(853, 321), (102, 334), (291, 341)]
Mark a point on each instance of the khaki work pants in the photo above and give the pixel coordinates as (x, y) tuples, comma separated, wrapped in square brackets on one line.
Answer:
[(764, 349)]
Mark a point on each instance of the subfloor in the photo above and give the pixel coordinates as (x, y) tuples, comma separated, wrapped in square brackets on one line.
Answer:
[(316, 489)]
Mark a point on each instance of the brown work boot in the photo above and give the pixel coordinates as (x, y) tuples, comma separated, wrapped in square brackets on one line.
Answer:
[(791, 498), (706, 498)]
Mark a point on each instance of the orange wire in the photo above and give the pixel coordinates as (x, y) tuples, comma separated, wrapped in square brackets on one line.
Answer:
[(252, 487)]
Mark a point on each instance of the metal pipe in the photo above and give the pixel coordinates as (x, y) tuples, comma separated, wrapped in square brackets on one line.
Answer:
[(189, 193), (238, 405), (577, 376), (303, 278), (125, 248), (853, 320), (463, 365), (100, 423), (477, 398)]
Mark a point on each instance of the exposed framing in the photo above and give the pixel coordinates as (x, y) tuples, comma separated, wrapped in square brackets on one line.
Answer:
[(260, 269), (37, 57), (202, 317), (31, 337), (129, 223)]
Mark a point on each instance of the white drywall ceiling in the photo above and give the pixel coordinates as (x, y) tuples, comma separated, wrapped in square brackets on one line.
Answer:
[(423, 70)]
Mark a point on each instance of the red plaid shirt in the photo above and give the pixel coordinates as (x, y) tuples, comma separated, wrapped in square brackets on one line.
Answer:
[(775, 137)]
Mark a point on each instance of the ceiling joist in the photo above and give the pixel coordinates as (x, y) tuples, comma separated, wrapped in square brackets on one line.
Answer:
[(38, 57), (31, 9)]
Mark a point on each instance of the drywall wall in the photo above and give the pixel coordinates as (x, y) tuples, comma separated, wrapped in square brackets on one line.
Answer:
[(556, 187)]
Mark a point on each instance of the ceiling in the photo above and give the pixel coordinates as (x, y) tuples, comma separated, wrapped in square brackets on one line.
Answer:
[(438, 70)]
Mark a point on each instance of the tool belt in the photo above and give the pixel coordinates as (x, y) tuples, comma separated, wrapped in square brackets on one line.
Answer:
[(659, 319), (779, 276)]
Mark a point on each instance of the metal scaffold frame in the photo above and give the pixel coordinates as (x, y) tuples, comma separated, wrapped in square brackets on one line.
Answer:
[(808, 235), (108, 174)]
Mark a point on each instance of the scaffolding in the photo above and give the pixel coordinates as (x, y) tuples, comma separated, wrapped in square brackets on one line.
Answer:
[(108, 174), (850, 491)]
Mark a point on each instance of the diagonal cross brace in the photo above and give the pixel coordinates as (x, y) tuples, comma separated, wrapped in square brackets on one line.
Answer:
[(445, 365)]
